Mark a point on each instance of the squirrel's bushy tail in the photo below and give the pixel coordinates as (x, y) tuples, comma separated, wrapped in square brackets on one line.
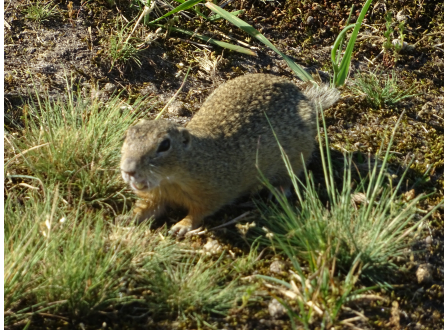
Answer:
[(322, 95)]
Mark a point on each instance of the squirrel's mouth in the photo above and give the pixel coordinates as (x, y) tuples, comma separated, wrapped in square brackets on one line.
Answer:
[(138, 185)]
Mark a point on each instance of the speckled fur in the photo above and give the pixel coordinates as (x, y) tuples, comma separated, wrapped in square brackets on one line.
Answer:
[(215, 158)]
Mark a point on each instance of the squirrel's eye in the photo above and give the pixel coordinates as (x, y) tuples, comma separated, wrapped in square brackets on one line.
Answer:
[(164, 145)]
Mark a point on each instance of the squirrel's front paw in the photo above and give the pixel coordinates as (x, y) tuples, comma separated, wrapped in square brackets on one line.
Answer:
[(181, 228), (144, 210)]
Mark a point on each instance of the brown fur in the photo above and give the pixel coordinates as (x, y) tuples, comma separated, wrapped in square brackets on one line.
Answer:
[(219, 154)]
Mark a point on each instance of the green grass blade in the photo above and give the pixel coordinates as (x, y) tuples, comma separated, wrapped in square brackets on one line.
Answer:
[(300, 72), (338, 41), (345, 63), (217, 16), (212, 41), (184, 6), (273, 279)]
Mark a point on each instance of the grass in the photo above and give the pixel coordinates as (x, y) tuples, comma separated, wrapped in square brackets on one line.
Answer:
[(76, 265), (380, 92), (320, 278), (193, 287), (121, 50), (74, 141), (67, 260), (40, 12), (320, 294), (341, 68), (124, 51), (340, 238)]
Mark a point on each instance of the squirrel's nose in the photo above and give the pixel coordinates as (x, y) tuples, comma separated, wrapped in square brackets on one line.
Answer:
[(129, 166), (129, 173)]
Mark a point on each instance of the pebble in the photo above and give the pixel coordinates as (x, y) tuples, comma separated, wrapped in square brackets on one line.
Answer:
[(277, 267), (149, 89), (403, 45), (177, 108), (310, 20), (276, 310), (424, 273), (212, 247), (109, 88), (98, 95)]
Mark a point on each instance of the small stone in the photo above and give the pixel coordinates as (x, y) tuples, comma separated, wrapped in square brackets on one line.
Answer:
[(428, 240), (98, 95), (402, 45), (436, 315), (401, 16), (424, 273), (177, 108), (409, 195), (380, 8), (275, 69), (277, 267), (109, 88), (276, 310), (149, 89), (310, 20), (359, 198), (212, 247)]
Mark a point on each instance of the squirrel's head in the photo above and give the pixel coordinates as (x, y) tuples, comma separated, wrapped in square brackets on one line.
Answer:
[(151, 153)]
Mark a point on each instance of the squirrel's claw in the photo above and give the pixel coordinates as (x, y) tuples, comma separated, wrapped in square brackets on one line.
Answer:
[(180, 230), (182, 227)]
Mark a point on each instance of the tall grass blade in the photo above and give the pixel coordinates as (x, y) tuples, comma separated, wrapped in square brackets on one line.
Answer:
[(184, 6), (211, 41), (299, 71), (343, 68), (234, 13)]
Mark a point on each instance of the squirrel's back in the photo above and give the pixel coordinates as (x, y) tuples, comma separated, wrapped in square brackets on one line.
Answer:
[(241, 106), (256, 105)]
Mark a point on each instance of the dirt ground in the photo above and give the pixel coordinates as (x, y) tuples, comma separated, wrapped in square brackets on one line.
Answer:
[(75, 43)]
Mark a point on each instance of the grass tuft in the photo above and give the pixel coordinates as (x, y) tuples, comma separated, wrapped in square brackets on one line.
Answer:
[(71, 262), (370, 221), (193, 286), (75, 142), (121, 50), (75, 264), (359, 231), (380, 92), (40, 12)]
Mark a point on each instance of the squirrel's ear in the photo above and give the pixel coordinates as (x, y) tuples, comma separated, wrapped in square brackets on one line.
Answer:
[(186, 137)]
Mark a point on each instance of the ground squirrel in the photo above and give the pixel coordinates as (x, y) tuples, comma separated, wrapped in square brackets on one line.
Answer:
[(218, 156)]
